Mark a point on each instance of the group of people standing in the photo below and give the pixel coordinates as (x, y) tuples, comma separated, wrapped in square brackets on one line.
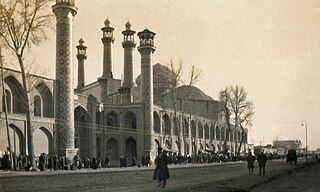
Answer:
[(14, 162), (262, 160)]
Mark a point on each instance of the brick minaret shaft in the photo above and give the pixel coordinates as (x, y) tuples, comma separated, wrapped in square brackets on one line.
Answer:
[(64, 11), (107, 40), (128, 44), (146, 50), (81, 56)]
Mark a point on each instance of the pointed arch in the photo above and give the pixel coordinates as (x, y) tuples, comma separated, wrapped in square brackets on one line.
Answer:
[(218, 135), (176, 124), (200, 128), (167, 124), (131, 148), (130, 121), (21, 138), (18, 98), (186, 148), (156, 122), (213, 132), (112, 149), (98, 120), (37, 106), (194, 148), (46, 98), (223, 133), (185, 125), (43, 140), (193, 129), (112, 120), (82, 131), (206, 131)]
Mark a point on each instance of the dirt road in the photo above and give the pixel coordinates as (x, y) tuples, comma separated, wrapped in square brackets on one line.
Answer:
[(203, 177)]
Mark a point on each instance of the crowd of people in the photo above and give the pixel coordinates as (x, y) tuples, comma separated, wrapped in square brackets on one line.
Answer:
[(14, 162), (53, 161)]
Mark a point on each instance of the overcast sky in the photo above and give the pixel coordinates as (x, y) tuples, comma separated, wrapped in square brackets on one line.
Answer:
[(270, 47)]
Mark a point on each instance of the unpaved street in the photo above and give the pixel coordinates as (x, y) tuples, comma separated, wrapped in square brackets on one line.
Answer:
[(204, 177)]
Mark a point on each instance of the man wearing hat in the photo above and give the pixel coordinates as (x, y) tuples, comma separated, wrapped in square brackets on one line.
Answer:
[(161, 172)]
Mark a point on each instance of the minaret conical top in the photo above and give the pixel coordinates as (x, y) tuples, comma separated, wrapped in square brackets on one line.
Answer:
[(128, 26), (107, 23)]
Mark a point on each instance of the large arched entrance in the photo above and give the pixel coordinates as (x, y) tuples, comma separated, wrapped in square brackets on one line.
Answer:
[(42, 140), (131, 149), (112, 149), (16, 139), (82, 132)]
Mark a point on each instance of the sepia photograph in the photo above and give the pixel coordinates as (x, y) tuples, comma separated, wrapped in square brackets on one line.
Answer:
[(159, 95)]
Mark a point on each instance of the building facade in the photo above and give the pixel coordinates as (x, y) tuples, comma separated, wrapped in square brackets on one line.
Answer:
[(129, 117)]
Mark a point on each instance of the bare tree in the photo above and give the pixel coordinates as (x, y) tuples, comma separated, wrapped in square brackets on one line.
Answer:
[(175, 79), (224, 108), (5, 107), (24, 23), (238, 112)]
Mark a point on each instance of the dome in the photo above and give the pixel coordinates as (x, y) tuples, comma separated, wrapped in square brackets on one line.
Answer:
[(192, 92), (160, 74)]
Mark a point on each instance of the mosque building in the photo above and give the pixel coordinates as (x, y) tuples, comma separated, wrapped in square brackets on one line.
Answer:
[(129, 117)]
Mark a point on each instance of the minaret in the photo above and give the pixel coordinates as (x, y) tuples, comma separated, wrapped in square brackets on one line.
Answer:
[(146, 50), (64, 11), (128, 44), (81, 56), (107, 40)]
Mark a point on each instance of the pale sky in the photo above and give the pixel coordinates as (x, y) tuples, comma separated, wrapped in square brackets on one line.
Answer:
[(270, 47)]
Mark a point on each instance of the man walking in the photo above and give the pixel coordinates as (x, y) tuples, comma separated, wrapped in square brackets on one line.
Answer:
[(262, 159), (250, 160), (162, 172)]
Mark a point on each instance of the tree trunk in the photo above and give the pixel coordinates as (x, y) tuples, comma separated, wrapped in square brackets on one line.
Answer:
[(6, 110), (175, 122), (28, 113), (241, 141)]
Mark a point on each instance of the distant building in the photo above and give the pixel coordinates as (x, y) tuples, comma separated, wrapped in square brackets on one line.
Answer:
[(284, 145)]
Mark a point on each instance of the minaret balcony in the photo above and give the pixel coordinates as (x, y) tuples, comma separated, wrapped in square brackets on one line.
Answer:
[(108, 34), (146, 42), (146, 38)]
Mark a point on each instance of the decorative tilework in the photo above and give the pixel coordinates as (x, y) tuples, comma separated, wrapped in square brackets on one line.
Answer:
[(64, 78)]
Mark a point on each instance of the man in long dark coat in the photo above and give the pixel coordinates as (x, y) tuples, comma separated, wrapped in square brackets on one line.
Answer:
[(250, 160), (162, 172), (262, 159)]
